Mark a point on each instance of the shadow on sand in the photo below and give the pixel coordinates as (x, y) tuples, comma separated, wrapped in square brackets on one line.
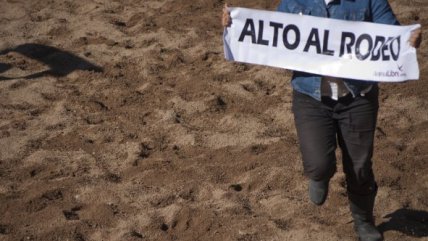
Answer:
[(60, 62), (410, 222)]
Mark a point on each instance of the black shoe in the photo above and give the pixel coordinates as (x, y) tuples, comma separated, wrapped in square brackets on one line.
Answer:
[(318, 191), (367, 231), (362, 212)]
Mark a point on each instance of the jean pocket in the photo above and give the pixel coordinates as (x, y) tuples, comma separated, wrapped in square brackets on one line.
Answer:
[(354, 15), (298, 8)]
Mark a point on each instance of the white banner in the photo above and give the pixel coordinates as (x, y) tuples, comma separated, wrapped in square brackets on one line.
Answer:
[(345, 49)]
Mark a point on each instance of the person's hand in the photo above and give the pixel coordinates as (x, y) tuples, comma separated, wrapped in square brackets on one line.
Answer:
[(416, 38), (226, 20)]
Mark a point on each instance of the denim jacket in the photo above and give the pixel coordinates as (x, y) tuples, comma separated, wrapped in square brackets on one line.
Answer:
[(376, 11)]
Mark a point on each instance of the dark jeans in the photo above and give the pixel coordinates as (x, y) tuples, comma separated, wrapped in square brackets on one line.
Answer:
[(351, 122)]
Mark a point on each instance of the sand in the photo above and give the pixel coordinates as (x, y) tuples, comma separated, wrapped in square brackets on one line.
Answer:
[(121, 120)]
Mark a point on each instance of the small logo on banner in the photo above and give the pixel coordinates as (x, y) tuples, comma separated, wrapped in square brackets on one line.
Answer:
[(392, 73)]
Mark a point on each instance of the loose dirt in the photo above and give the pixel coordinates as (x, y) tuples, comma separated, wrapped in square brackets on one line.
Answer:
[(121, 120)]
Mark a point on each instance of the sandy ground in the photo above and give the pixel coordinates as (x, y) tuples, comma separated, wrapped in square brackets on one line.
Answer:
[(120, 120)]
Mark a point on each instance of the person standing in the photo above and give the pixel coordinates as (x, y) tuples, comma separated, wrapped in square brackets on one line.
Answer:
[(331, 111)]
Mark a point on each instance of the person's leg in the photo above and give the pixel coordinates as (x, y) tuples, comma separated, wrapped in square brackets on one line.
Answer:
[(357, 122), (316, 131)]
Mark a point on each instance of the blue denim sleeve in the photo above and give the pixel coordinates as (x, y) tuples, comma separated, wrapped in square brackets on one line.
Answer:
[(382, 12), (282, 6)]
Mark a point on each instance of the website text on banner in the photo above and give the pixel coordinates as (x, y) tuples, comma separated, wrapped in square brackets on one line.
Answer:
[(338, 48)]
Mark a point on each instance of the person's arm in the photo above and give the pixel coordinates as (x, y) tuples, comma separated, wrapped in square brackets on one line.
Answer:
[(382, 13), (282, 7), (226, 20), (415, 39)]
